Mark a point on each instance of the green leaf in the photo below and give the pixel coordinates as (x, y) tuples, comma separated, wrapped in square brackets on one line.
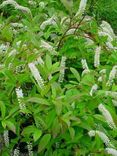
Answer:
[(48, 62), (10, 125), (3, 109), (75, 73), (44, 142), (38, 100)]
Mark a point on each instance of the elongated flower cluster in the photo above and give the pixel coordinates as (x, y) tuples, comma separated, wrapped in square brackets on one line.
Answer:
[(97, 56), (111, 94), (48, 47), (85, 67), (16, 152), (102, 136), (3, 47), (15, 5), (111, 151), (30, 149), (84, 64), (50, 21), (6, 137), (107, 116), (20, 96), (93, 89), (106, 30), (82, 7), (112, 75), (17, 25), (62, 69), (36, 75)]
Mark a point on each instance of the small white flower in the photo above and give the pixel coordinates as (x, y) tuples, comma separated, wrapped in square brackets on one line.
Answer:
[(114, 103), (112, 75), (42, 5), (100, 79), (107, 116), (30, 149), (82, 7), (93, 89), (103, 71), (20, 96), (97, 56), (4, 47), (16, 6), (62, 69), (16, 152), (102, 136), (111, 151), (48, 47), (36, 75), (39, 61), (17, 25), (86, 71), (71, 31), (6, 137), (84, 64), (111, 94), (50, 21)]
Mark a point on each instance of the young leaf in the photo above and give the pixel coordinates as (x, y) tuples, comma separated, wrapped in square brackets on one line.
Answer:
[(75, 73), (44, 142)]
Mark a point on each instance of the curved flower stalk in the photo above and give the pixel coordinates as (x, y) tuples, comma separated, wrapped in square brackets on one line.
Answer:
[(82, 7), (112, 75), (16, 6), (50, 21), (102, 136), (36, 75), (62, 69), (6, 137), (93, 89), (107, 116), (16, 152), (47, 46), (111, 151), (30, 149), (97, 56), (20, 96)]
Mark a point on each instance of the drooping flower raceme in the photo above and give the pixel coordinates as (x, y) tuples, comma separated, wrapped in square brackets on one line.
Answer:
[(97, 56), (82, 7), (102, 136), (36, 74), (62, 69), (16, 152), (111, 151), (20, 96), (30, 149), (48, 47), (6, 137), (93, 89), (50, 21), (107, 116), (15, 5), (112, 75), (84, 64)]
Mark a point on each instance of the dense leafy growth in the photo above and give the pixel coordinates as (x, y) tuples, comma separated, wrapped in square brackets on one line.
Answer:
[(58, 79)]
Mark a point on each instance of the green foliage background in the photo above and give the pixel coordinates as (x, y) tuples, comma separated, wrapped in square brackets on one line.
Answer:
[(59, 116)]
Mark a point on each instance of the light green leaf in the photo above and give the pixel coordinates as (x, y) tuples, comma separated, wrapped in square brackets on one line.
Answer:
[(44, 142), (75, 73)]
